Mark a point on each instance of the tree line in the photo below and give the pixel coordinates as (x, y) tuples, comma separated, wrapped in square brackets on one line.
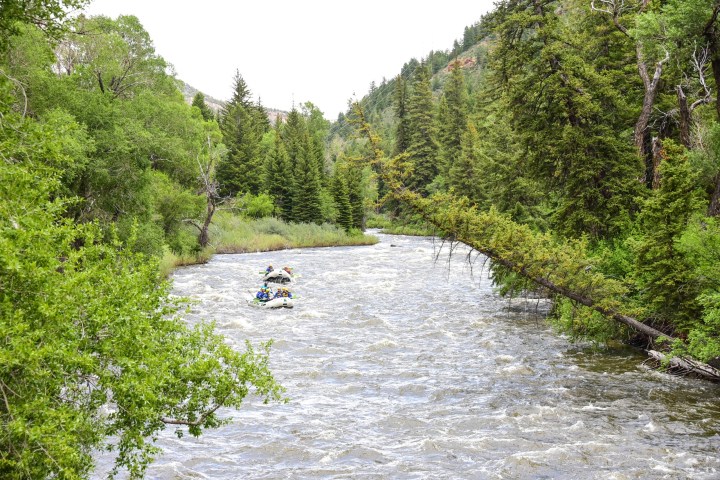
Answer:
[(105, 167), (592, 121)]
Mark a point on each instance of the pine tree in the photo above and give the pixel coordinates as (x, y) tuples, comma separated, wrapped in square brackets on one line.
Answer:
[(242, 127), (569, 129), (241, 93), (307, 186), (422, 145), (453, 120), (279, 179), (664, 274), (205, 111), (462, 176), (354, 179), (342, 201), (401, 131)]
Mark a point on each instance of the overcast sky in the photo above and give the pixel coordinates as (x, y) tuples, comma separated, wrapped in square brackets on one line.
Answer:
[(287, 51)]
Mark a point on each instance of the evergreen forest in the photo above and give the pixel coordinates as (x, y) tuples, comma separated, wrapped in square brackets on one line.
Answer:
[(576, 143)]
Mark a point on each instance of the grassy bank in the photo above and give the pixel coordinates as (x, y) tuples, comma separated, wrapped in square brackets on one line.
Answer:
[(233, 234), (397, 226)]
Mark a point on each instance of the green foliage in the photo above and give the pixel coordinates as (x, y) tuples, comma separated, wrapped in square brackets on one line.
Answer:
[(279, 177), (88, 325), (257, 206), (342, 202), (49, 15), (237, 235), (205, 111), (700, 245), (581, 323), (243, 125), (566, 129), (453, 120), (663, 274), (422, 145), (174, 206), (306, 177), (402, 140)]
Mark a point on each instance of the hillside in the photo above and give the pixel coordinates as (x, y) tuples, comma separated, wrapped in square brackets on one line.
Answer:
[(216, 105)]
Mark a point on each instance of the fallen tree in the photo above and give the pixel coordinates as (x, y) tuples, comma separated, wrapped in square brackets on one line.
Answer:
[(561, 267)]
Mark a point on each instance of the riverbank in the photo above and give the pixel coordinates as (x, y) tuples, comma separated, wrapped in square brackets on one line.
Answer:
[(232, 234), (413, 226)]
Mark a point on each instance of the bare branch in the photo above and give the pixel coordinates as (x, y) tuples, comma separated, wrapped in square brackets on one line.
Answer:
[(614, 8), (22, 90)]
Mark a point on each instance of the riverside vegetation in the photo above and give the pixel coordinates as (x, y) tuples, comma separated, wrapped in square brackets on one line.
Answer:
[(105, 171), (575, 142)]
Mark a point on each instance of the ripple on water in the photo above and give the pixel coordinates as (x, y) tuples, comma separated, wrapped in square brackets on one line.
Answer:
[(400, 367)]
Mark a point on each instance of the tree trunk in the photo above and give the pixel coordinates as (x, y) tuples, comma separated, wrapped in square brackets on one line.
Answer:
[(657, 156), (714, 208), (204, 238), (685, 117), (651, 88), (711, 35)]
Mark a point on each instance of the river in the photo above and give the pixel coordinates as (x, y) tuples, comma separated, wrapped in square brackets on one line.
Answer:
[(401, 365)]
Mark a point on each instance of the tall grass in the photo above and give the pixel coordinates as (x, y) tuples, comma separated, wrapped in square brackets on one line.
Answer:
[(232, 234), (400, 226)]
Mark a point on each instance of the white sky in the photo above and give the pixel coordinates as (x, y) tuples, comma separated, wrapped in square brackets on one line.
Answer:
[(321, 51)]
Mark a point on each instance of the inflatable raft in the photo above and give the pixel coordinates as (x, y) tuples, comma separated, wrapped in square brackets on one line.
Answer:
[(278, 276), (280, 302)]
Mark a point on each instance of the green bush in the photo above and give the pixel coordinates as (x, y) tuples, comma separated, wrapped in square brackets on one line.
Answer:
[(257, 206)]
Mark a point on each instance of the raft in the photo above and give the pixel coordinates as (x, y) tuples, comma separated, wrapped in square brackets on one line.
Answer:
[(278, 276), (280, 302)]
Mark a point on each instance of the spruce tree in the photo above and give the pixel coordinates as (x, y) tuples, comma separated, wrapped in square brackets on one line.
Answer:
[(205, 111), (453, 119), (462, 176), (354, 179), (400, 105), (242, 128), (279, 179), (342, 201), (663, 273), (307, 185), (569, 131), (422, 132)]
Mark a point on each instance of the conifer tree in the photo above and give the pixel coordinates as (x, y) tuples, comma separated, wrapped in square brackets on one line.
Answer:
[(242, 129), (307, 186), (664, 274), (342, 201), (400, 104), (279, 180), (422, 145), (462, 176), (568, 131), (205, 111), (453, 120), (354, 180)]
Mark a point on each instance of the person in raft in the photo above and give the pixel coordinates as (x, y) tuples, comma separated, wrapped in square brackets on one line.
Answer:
[(264, 294), (283, 292), (269, 269), (288, 270)]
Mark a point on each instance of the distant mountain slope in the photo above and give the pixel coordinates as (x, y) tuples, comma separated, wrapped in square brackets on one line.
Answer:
[(471, 53), (216, 105)]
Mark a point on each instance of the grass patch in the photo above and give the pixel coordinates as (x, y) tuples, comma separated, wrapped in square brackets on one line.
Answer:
[(232, 234), (399, 226)]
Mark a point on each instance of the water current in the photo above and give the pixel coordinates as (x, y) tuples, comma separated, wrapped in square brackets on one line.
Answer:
[(401, 365)]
